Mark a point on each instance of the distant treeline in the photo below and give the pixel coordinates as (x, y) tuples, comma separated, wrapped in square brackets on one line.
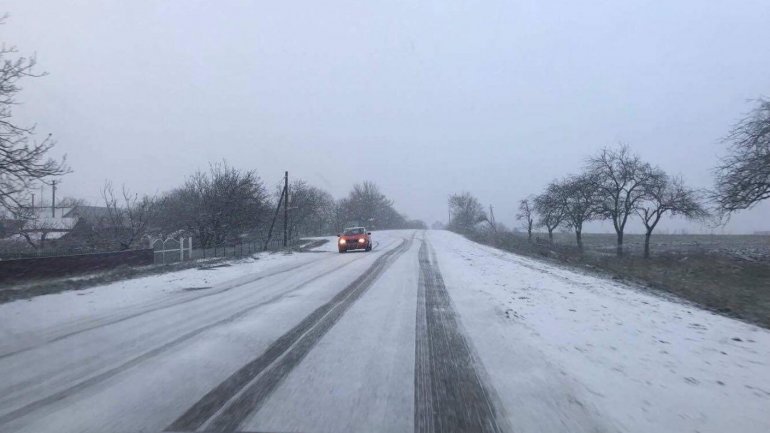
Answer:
[(224, 205), (219, 206), (617, 185)]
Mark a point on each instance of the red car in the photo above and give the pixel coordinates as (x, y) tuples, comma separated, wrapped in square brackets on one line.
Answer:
[(354, 238)]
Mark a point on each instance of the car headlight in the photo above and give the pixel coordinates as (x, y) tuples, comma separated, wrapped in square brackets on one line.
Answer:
[(342, 242), (362, 240)]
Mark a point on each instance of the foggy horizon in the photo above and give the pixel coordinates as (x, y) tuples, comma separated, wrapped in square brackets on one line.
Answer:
[(424, 100), (500, 216)]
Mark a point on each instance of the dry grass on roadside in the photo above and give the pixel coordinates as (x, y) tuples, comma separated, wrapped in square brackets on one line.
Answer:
[(28, 289), (715, 279), (14, 290)]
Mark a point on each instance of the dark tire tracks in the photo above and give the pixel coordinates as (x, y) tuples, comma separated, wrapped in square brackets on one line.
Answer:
[(107, 374), (159, 306), (450, 394), (225, 407)]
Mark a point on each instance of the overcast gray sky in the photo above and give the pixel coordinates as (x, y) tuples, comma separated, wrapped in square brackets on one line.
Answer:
[(424, 98)]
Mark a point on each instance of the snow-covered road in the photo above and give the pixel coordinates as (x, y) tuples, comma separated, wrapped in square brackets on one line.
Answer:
[(429, 332)]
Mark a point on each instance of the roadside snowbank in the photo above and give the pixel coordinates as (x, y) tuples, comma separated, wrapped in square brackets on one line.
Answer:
[(596, 354), (20, 318)]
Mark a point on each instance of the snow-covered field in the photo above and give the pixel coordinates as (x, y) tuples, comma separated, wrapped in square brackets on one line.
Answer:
[(559, 351), (572, 350)]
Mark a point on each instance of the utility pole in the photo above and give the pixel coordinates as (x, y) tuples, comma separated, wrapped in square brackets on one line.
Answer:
[(286, 209), (53, 199), (272, 224), (33, 201), (492, 218)]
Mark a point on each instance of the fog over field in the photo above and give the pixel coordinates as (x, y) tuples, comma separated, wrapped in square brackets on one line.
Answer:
[(426, 99)]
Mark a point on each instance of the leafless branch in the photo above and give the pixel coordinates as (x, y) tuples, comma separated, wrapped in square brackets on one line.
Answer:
[(743, 176)]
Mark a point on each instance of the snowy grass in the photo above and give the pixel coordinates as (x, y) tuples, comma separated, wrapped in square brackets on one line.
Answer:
[(25, 290), (47, 310), (710, 277), (601, 352)]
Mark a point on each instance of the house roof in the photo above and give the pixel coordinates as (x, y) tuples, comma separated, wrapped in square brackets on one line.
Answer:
[(45, 212), (89, 213), (40, 222)]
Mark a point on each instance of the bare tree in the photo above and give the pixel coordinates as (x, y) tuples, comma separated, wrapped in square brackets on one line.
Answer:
[(621, 180), (128, 216), (549, 206), (743, 176), (664, 195), (325, 208), (527, 215), (311, 209), (466, 213), (183, 209), (367, 205), (218, 206), (23, 160), (578, 195)]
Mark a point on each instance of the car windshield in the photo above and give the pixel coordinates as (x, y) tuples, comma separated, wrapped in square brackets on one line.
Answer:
[(355, 231)]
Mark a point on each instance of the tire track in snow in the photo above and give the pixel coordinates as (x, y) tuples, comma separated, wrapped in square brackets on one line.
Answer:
[(161, 305), (449, 395), (225, 407), (39, 379), (107, 374)]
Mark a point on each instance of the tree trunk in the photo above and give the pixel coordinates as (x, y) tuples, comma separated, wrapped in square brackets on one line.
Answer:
[(550, 235), (620, 244), (579, 236), (529, 233), (647, 244)]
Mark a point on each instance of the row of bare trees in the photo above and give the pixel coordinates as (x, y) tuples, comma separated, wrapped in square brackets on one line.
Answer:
[(313, 211), (222, 205), (616, 185), (225, 205)]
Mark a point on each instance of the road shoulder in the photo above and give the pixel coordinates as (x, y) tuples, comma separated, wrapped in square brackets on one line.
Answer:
[(565, 347)]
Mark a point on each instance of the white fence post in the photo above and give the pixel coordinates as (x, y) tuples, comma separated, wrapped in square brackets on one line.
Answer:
[(189, 246)]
